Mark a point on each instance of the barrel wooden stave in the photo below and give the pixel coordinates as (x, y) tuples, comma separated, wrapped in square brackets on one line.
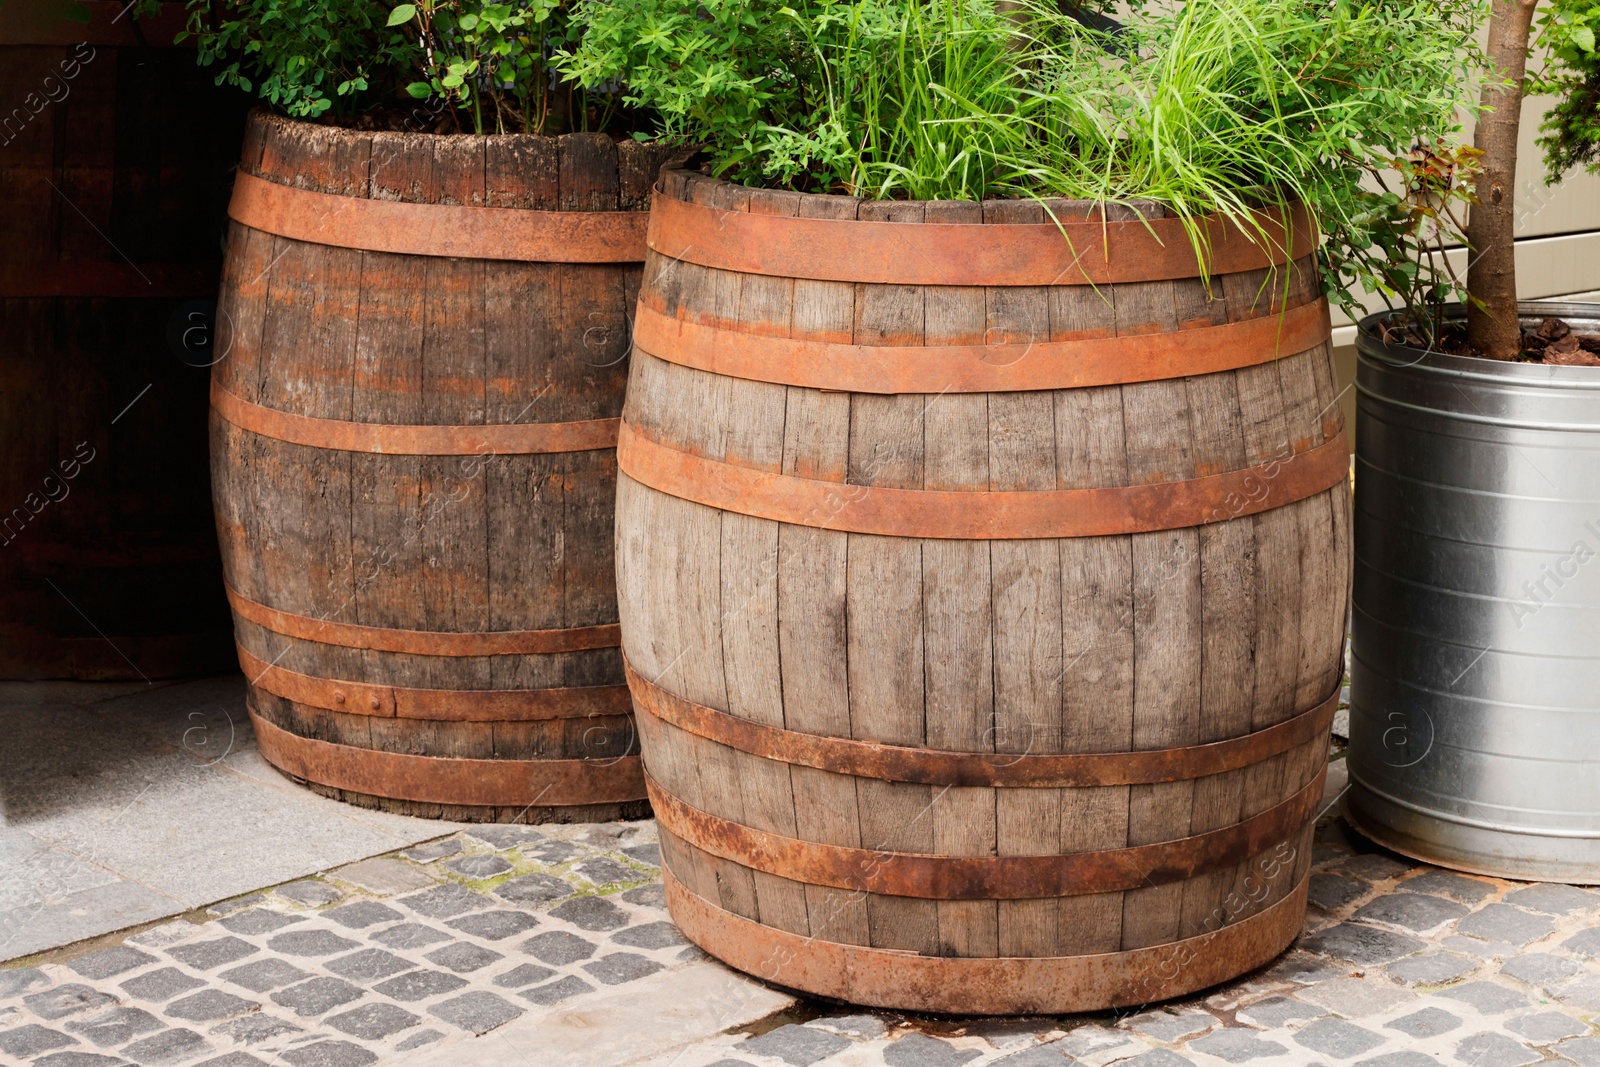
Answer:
[(1154, 640), (461, 544)]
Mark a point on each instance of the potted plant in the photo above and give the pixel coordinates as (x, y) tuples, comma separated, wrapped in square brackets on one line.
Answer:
[(435, 243), (113, 163), (983, 507), (1474, 673)]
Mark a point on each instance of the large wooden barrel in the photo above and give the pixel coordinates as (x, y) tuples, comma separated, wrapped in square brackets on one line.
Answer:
[(983, 594), (413, 454), (114, 155)]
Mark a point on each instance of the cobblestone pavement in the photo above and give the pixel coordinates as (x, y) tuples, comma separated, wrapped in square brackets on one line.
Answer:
[(525, 934)]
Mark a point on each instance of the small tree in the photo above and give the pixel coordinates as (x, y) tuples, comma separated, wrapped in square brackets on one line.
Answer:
[(1571, 137)]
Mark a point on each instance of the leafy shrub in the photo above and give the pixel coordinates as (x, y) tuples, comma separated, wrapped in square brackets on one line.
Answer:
[(431, 64)]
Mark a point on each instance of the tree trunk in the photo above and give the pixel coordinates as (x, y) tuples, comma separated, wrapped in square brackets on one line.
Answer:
[(1492, 328)]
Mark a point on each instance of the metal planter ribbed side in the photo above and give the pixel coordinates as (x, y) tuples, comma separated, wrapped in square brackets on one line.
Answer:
[(1475, 687)]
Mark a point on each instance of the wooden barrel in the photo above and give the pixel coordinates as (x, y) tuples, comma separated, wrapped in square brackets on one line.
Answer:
[(413, 455), (983, 594), (114, 153)]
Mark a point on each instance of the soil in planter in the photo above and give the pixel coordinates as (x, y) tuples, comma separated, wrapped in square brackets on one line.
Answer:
[(1554, 342)]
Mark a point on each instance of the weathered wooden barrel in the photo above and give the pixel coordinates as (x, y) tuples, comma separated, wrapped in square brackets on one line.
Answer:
[(983, 593), (114, 151), (413, 454)]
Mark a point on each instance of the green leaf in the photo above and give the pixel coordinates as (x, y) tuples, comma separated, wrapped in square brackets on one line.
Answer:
[(1583, 37), (420, 90), (403, 13)]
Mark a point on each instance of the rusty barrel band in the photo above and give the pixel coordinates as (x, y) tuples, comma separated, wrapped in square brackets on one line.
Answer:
[(451, 780), (980, 368), (926, 766), (458, 230), (1042, 985), (423, 642), (898, 253), (508, 439), (969, 516), (445, 705), (929, 877)]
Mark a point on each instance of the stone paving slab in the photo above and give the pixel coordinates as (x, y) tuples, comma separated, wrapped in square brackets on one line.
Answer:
[(121, 804)]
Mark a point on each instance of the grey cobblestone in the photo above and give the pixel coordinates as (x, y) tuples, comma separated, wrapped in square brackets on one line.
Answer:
[(317, 997), (1431, 968), (445, 901), (360, 914), (1330, 892), (22, 1042), (647, 896), (1038, 1056), (369, 965), (209, 955), (1406, 1058), (462, 957), (110, 961), (263, 976), (1546, 1026), (209, 1005), (1373, 867), (603, 871), (161, 984), (234, 1059), (429, 851), (1539, 968), (1586, 943), (920, 1050), (494, 925), (410, 935), (426, 1037), (1457, 887), (621, 967), (169, 1046), (311, 893), (1170, 1026), (258, 921), (1237, 1045), (650, 853), (1495, 1050), (591, 913), (534, 889), (254, 1029), (20, 981), (329, 1054), (552, 853), (522, 976), (557, 991), (799, 1046), (477, 1012), (1157, 1057), (1553, 899), (1362, 944), (65, 1000), (311, 943), (478, 867), (557, 948), (420, 985), (650, 935), (1337, 1038), (1584, 1051), (1273, 1012), (374, 1022), (1490, 998), (501, 836), (1415, 912), (1502, 922), (1429, 1022)]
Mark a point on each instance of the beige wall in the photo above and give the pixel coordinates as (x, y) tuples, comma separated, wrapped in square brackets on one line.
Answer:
[(1558, 244)]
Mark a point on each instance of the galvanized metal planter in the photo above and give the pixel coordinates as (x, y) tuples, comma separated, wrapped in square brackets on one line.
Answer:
[(1475, 695)]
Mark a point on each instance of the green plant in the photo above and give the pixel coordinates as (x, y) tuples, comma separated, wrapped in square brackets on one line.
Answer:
[(1205, 107), (477, 65), (1571, 129)]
